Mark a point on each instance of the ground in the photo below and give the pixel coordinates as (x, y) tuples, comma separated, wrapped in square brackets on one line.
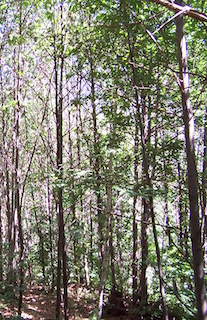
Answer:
[(38, 304)]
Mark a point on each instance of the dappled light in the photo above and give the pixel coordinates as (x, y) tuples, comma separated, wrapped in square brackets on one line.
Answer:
[(40, 305), (103, 160)]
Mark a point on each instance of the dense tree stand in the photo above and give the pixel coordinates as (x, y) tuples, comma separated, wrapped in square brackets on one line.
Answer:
[(103, 163)]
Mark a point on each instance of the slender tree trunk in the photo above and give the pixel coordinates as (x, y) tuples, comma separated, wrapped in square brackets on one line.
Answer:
[(105, 261), (120, 236), (41, 241), (2, 174), (134, 254), (145, 164), (108, 248), (50, 222), (97, 186), (6, 185), (204, 188), (73, 199), (91, 237), (144, 249), (97, 165), (1, 242), (182, 210), (17, 169), (200, 287), (165, 165), (59, 194), (145, 204), (112, 257), (49, 203), (62, 258), (180, 204)]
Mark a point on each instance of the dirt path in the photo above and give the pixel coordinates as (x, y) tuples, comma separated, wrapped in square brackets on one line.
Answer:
[(40, 305)]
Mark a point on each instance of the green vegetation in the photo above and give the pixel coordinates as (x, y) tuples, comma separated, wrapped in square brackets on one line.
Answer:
[(103, 154)]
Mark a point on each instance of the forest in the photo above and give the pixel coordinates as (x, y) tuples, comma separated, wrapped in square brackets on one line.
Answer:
[(103, 159)]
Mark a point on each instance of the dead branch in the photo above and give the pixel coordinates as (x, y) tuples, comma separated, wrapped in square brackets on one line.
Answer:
[(186, 10)]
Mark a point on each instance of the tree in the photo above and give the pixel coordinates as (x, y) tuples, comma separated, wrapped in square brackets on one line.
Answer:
[(192, 172), (62, 258), (92, 152)]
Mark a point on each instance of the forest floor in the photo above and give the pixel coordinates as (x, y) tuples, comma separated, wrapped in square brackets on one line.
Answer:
[(40, 305)]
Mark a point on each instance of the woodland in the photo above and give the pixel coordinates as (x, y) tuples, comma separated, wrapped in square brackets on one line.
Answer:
[(103, 164)]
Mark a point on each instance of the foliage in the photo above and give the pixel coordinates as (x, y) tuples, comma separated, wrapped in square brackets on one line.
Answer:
[(119, 60)]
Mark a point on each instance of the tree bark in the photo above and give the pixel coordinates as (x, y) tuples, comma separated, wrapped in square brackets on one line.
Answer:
[(145, 118), (200, 287), (134, 253), (40, 235), (144, 251), (50, 222), (145, 164), (204, 188), (1, 242), (105, 261), (165, 165), (187, 10), (17, 169), (97, 164), (112, 257), (62, 258), (6, 184)]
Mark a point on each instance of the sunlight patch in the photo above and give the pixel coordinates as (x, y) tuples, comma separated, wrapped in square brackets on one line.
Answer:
[(26, 316)]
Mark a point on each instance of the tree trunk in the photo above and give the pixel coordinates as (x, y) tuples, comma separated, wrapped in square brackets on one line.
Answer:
[(180, 204), (112, 257), (105, 262), (41, 240), (145, 116), (97, 165), (204, 188), (50, 222), (62, 258), (17, 169), (1, 242), (6, 184), (200, 288), (134, 254), (120, 237), (145, 162), (165, 165), (144, 249)]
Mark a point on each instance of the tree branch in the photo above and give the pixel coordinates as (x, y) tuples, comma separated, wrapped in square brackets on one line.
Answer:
[(186, 10)]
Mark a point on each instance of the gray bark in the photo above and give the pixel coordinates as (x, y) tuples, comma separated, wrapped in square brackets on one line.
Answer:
[(200, 288)]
